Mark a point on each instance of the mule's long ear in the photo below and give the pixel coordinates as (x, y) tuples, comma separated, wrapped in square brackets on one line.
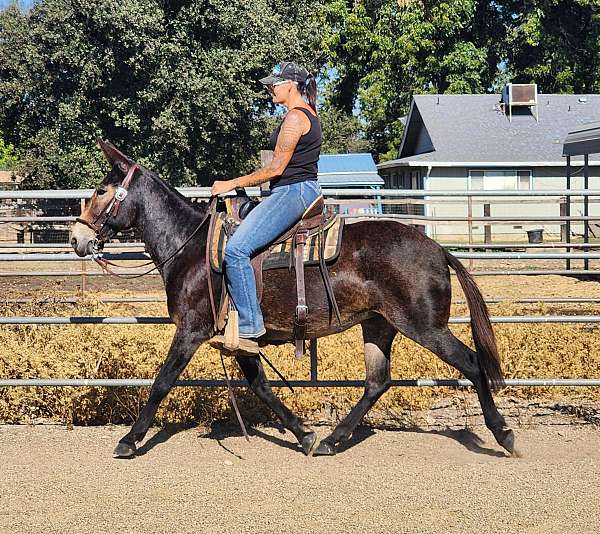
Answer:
[(115, 156)]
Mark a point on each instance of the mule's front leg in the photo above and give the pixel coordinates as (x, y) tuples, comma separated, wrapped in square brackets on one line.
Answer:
[(183, 347)]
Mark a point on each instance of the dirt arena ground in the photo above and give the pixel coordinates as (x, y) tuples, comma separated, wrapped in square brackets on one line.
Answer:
[(436, 471), (444, 475)]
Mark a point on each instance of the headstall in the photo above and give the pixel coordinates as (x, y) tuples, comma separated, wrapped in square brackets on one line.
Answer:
[(112, 208)]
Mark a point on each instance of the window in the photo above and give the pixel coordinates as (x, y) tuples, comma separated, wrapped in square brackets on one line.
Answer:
[(524, 183), (509, 180), (415, 178)]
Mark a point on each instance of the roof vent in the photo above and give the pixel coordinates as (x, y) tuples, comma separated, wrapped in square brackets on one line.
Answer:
[(519, 95)]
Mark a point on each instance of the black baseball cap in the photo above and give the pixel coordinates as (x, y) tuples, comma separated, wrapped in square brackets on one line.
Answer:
[(288, 70)]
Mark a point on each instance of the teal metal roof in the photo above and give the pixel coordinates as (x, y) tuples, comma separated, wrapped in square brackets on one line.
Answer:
[(348, 169)]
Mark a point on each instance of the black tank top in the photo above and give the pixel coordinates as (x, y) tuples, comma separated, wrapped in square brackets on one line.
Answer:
[(303, 165)]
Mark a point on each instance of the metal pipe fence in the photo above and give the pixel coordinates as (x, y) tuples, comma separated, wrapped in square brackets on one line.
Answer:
[(140, 245), (131, 272), (314, 383), (332, 194), (129, 256), (145, 320), (146, 300), (204, 193)]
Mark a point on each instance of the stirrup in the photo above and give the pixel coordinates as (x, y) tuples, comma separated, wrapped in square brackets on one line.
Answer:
[(232, 331), (246, 347)]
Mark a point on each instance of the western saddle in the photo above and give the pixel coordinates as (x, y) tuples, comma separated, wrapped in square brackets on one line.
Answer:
[(312, 223)]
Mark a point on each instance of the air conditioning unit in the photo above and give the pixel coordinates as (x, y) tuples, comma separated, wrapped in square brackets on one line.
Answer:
[(520, 95)]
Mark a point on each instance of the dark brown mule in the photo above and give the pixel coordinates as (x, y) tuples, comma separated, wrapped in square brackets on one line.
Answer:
[(389, 278)]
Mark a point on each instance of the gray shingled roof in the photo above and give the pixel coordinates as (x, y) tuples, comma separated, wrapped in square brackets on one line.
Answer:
[(470, 128)]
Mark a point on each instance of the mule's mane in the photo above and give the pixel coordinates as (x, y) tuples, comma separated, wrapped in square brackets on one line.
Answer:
[(200, 207)]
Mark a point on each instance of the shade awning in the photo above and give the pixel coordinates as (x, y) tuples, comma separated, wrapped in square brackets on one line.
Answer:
[(583, 140)]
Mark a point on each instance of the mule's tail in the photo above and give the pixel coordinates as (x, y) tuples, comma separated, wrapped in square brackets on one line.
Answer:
[(481, 327)]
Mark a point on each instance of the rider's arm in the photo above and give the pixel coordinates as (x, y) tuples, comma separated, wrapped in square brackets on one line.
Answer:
[(289, 135)]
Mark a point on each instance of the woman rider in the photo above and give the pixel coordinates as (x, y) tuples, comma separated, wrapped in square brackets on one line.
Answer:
[(293, 175)]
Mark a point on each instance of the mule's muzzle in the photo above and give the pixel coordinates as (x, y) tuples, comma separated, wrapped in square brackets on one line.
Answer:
[(83, 240)]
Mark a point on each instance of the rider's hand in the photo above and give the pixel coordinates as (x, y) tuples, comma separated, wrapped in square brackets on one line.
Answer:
[(219, 187)]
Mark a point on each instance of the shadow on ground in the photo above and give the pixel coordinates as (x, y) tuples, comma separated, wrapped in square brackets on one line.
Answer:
[(221, 430)]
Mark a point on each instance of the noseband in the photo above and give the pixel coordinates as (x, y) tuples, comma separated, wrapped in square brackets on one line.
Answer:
[(111, 210)]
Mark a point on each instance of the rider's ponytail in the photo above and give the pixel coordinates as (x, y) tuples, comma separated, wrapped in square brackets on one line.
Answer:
[(310, 89)]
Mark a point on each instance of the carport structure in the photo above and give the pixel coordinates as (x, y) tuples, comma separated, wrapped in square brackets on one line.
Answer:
[(582, 141)]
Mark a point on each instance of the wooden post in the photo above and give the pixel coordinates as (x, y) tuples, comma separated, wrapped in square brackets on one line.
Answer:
[(563, 224), (83, 262), (470, 225), (487, 229), (266, 156), (586, 208)]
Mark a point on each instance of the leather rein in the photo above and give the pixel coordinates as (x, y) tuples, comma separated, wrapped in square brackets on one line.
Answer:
[(111, 210)]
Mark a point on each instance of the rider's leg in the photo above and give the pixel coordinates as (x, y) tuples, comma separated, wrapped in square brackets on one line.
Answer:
[(265, 223)]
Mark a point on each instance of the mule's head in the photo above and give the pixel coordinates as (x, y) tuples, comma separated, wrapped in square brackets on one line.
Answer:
[(109, 209)]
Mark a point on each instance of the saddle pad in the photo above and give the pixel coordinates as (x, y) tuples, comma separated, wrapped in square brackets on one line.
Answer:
[(279, 255)]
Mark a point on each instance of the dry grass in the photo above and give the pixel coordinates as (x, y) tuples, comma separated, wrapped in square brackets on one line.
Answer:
[(137, 351)]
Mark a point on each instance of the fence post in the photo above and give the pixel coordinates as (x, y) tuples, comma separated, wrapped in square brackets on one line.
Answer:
[(83, 262), (470, 225), (563, 224), (487, 229), (266, 156), (586, 208), (568, 210), (314, 374)]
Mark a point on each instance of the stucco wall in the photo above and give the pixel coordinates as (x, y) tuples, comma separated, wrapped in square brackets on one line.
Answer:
[(543, 178)]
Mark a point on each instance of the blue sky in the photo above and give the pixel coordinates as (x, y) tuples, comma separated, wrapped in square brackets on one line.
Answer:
[(24, 3)]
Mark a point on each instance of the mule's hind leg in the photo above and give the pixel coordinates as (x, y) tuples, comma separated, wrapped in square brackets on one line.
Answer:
[(255, 374), (454, 352), (378, 335)]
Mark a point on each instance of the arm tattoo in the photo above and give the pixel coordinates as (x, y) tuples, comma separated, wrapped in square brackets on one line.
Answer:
[(289, 135)]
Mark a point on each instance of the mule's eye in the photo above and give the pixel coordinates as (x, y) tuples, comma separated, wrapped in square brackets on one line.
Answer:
[(100, 191)]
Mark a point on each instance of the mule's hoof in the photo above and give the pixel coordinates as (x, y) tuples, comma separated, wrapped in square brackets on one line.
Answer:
[(124, 450), (308, 443), (324, 449), (507, 440)]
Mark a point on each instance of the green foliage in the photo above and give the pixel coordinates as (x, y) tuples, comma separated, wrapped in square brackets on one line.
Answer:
[(172, 83), (556, 44), (342, 133), (8, 156)]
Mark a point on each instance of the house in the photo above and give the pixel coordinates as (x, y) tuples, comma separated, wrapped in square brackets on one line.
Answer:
[(9, 180), (512, 141)]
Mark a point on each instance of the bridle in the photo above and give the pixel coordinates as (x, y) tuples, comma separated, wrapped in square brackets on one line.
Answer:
[(99, 224)]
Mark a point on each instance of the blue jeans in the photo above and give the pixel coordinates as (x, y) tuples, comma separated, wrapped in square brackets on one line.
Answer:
[(265, 223)]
